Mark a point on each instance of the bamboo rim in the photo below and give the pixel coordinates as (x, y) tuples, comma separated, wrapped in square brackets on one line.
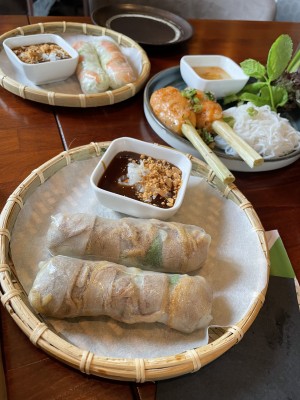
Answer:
[(75, 100), (14, 298)]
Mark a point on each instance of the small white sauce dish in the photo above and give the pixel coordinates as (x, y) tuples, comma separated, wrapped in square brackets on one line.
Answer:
[(46, 72), (219, 87), (131, 206)]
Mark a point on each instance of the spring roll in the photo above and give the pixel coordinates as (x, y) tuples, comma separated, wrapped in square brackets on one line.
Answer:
[(91, 76), (144, 243), (66, 287), (114, 63)]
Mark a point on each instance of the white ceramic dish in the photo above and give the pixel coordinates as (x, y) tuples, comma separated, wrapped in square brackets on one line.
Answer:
[(134, 207), (47, 72), (172, 77), (219, 87)]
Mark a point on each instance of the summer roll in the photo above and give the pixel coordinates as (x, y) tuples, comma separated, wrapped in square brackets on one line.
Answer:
[(90, 74), (144, 243), (114, 62), (66, 287)]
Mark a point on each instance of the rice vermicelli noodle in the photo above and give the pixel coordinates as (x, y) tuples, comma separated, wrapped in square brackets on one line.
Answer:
[(263, 129)]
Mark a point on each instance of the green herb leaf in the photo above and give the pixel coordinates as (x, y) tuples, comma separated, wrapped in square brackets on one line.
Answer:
[(154, 254), (280, 96), (253, 68), (256, 100), (294, 64), (252, 111), (189, 93), (254, 87), (279, 56), (210, 96), (229, 120), (174, 279), (231, 98), (207, 137)]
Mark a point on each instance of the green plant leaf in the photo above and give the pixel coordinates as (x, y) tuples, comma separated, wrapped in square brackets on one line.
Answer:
[(254, 87), (294, 64), (231, 98), (154, 254), (279, 56), (256, 100), (253, 68), (280, 96)]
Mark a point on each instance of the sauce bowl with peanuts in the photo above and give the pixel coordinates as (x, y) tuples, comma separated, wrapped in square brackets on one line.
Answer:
[(42, 58), (141, 179)]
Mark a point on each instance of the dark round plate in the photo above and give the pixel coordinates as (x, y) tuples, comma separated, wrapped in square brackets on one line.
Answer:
[(146, 25)]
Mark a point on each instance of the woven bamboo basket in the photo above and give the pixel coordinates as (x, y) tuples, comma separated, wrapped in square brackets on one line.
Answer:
[(75, 100), (15, 300)]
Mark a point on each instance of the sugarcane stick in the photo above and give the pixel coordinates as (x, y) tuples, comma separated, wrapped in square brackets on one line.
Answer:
[(245, 151), (221, 171)]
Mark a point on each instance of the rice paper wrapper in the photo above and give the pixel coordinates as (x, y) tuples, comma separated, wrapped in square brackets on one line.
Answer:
[(236, 266), (70, 85)]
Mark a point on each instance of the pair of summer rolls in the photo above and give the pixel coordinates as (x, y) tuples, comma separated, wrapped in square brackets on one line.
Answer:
[(148, 244), (102, 66), (67, 287)]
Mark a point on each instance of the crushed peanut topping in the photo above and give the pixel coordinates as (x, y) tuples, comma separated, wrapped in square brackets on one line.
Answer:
[(40, 53), (143, 178), (163, 180)]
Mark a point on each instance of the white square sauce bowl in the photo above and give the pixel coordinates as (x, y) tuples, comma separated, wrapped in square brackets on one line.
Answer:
[(131, 206), (42, 72), (221, 75)]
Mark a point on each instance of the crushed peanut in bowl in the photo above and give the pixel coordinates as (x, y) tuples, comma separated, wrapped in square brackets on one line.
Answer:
[(41, 58), (40, 53), (143, 178)]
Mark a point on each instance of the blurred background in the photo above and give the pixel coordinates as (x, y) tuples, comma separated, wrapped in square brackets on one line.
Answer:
[(280, 10), (42, 7)]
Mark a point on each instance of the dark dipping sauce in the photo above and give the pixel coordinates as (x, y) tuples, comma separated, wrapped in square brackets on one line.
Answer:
[(118, 168)]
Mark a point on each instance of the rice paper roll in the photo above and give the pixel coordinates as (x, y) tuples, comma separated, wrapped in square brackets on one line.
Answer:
[(91, 76), (114, 63), (144, 243), (66, 287)]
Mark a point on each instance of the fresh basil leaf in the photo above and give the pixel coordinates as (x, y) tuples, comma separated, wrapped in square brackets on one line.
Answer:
[(253, 68), (279, 56)]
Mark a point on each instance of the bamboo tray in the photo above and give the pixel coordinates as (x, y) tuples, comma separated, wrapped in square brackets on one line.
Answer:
[(42, 335), (56, 98)]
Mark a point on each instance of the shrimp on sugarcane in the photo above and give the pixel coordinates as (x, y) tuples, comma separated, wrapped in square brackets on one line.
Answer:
[(190, 110), (174, 108)]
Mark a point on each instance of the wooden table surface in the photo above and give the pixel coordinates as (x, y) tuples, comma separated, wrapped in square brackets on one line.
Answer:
[(31, 133)]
